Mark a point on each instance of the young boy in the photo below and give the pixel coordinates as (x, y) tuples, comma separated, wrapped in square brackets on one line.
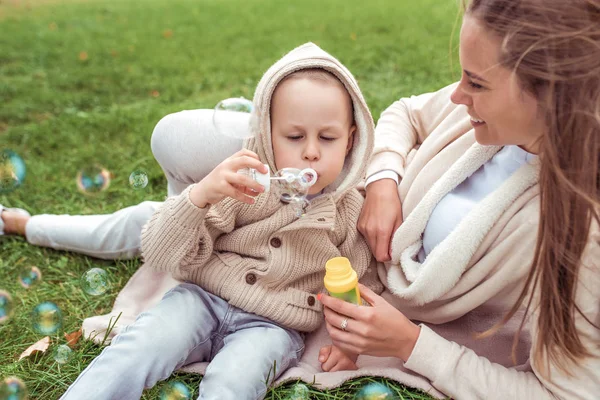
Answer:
[(252, 268)]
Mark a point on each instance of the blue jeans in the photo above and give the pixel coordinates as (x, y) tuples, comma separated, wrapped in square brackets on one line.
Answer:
[(191, 325)]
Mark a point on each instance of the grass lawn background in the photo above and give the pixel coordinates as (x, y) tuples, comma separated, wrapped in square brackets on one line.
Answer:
[(84, 82)]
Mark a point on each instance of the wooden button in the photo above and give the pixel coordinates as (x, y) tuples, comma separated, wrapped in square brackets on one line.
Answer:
[(311, 300), (276, 242), (250, 279)]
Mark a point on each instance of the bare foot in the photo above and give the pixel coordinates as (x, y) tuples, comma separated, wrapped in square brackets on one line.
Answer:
[(14, 223)]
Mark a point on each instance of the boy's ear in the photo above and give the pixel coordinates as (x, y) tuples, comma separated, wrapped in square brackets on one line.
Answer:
[(350, 139)]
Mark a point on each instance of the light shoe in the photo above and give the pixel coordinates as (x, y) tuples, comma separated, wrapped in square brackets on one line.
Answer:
[(17, 210)]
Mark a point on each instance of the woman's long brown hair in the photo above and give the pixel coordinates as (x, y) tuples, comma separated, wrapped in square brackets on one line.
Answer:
[(553, 47)]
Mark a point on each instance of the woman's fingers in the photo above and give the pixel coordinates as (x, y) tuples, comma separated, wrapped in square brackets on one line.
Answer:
[(397, 223), (377, 230), (380, 216), (364, 226), (382, 249), (344, 340), (336, 320), (368, 295), (342, 307)]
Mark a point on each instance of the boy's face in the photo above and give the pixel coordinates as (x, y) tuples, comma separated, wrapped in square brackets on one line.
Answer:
[(311, 127)]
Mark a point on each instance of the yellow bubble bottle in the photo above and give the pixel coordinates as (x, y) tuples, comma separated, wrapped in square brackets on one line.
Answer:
[(341, 280)]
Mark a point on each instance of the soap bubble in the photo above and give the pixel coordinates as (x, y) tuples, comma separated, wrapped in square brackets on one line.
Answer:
[(375, 391), (299, 392), (30, 276), (62, 354), (6, 306), (138, 179), (175, 391), (231, 117), (46, 318), (95, 282), (12, 171), (93, 179), (13, 389)]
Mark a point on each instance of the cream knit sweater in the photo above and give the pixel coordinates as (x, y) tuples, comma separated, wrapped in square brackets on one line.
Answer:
[(472, 278), (262, 258)]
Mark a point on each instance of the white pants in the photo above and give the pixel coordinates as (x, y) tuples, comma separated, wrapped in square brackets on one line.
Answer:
[(187, 148)]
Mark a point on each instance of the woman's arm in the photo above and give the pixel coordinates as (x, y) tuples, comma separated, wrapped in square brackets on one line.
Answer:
[(382, 330), (379, 330), (406, 124), (402, 126), (380, 216), (457, 371), (461, 373)]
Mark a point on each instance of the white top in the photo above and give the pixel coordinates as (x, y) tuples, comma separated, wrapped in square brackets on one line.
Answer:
[(458, 203)]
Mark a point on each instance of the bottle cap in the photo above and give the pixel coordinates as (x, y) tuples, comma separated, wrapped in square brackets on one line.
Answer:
[(339, 275), (264, 179)]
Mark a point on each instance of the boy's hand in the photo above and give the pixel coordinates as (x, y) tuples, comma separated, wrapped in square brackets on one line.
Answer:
[(224, 181), (333, 359)]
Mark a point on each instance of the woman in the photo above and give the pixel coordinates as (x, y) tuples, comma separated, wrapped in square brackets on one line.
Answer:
[(493, 235)]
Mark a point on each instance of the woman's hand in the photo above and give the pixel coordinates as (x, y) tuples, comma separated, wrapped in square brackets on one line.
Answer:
[(381, 215), (380, 330), (224, 181)]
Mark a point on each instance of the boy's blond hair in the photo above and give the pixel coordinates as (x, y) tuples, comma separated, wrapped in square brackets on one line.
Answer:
[(324, 76)]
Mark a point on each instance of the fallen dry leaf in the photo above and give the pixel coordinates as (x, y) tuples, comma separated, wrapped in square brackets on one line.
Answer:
[(38, 347), (83, 56), (73, 338)]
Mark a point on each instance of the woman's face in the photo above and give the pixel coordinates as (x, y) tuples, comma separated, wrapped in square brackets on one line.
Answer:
[(501, 111)]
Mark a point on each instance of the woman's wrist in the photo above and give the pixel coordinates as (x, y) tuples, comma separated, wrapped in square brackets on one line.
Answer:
[(409, 342), (382, 185)]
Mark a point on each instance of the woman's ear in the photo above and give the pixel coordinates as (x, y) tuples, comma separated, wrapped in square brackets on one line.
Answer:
[(350, 139)]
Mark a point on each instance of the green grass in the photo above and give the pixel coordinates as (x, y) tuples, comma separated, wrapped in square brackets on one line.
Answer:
[(61, 113)]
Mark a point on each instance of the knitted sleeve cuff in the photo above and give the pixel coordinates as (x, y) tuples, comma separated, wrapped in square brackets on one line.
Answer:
[(186, 213)]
